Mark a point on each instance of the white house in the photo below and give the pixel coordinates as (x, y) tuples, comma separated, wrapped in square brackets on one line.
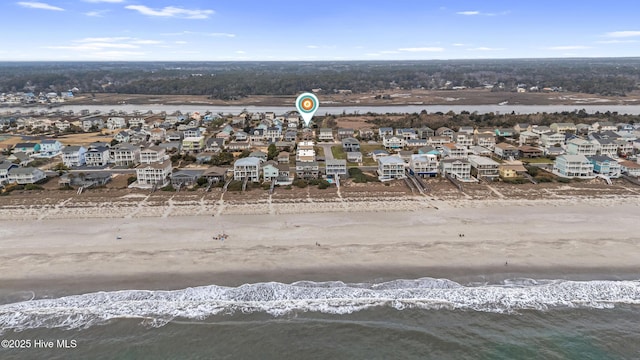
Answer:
[(154, 173), (393, 142), (248, 168), (124, 154), (73, 156), (573, 166), (25, 175), (5, 166), (336, 168), (459, 169), (578, 146), (116, 123), (50, 148), (152, 154), (97, 156), (454, 151), (390, 167), (425, 165), (548, 140)]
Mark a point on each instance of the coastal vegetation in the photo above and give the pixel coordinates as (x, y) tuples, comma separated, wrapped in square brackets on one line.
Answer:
[(234, 80)]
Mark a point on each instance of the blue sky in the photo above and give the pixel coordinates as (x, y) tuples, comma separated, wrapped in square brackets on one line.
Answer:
[(199, 30)]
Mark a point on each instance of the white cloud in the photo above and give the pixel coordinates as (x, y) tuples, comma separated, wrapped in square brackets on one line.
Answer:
[(39, 5), (569, 47), (389, 52), (221, 35), (622, 34), (97, 13), (484, 48), (422, 49), (475, 12), (616, 41), (240, 52), (93, 44), (171, 11), (180, 42), (457, 44), (312, 46)]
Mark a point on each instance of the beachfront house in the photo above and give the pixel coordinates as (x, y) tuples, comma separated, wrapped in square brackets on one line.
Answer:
[(511, 169), (185, 177), (630, 168), (484, 167), (285, 177), (74, 156), (5, 166), (270, 171), (438, 141), (247, 168), (336, 168), (391, 167), (424, 165), (459, 169), (307, 170), (97, 155), (156, 173), (283, 157), (605, 165), (25, 175), (573, 166)]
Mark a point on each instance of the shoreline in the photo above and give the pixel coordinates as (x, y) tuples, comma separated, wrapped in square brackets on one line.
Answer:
[(15, 290), (538, 239)]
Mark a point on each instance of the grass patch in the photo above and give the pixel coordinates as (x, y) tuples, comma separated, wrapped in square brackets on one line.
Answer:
[(338, 153)]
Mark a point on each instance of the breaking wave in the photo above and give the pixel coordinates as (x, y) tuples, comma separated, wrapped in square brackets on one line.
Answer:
[(156, 308)]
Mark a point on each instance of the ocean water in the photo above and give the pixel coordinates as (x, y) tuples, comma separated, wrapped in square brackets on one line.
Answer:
[(403, 319)]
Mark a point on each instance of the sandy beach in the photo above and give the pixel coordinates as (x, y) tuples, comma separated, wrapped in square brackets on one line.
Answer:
[(106, 246)]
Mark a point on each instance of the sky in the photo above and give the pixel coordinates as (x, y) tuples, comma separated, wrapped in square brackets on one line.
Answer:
[(267, 30)]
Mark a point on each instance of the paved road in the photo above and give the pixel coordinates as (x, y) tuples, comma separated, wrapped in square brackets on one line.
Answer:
[(328, 155)]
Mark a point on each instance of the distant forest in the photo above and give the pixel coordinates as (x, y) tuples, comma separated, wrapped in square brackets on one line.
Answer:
[(232, 80)]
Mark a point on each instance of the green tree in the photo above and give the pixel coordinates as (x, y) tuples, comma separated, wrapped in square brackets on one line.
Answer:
[(272, 152)]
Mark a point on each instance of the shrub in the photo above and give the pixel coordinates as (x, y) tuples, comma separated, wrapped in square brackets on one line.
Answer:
[(266, 186), (563, 180), (323, 184), (131, 180), (301, 183), (32, 187), (235, 185), (202, 181)]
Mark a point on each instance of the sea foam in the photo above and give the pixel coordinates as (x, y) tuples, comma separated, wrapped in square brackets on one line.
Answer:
[(157, 308)]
